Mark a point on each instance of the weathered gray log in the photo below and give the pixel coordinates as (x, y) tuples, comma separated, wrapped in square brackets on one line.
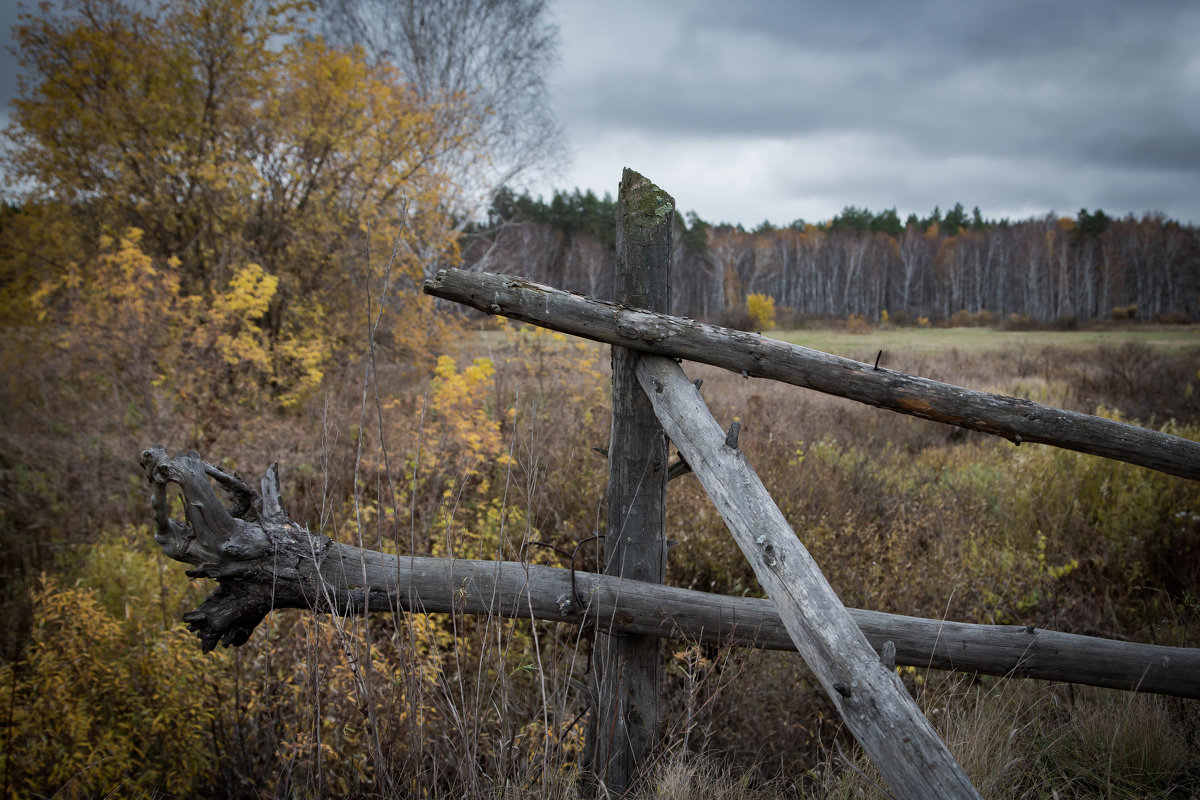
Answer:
[(871, 699), (289, 567), (1011, 418), (623, 731)]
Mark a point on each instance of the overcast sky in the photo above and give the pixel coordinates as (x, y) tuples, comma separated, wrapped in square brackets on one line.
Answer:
[(8, 62), (746, 111), (780, 110)]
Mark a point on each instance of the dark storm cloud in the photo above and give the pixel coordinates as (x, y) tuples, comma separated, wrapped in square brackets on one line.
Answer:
[(950, 75), (1102, 94), (784, 109)]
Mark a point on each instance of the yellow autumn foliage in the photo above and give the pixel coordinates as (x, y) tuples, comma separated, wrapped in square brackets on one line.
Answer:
[(459, 403), (208, 187), (231, 326), (90, 701), (112, 312), (113, 697), (761, 309), (122, 320)]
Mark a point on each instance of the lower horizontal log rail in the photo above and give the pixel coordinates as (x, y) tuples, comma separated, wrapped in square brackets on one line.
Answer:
[(516, 590), (264, 561)]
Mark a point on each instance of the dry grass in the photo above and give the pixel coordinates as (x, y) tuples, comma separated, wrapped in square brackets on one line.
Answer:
[(701, 777), (904, 515), (1162, 338), (1041, 741)]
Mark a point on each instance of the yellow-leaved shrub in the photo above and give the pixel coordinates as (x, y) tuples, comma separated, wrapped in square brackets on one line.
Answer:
[(100, 705), (761, 309), (122, 321)]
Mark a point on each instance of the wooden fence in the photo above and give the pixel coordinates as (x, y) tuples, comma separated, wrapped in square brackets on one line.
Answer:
[(852, 653)]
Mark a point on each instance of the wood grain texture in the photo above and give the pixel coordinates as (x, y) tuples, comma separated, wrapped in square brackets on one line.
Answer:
[(524, 591), (1012, 418), (870, 698), (629, 668)]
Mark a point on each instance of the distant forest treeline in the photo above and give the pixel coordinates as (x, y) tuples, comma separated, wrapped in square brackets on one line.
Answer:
[(1052, 269)]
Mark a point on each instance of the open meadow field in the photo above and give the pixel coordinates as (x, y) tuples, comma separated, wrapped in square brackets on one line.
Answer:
[(1167, 338), (829, 339)]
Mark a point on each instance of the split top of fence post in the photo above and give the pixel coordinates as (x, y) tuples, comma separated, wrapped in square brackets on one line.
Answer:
[(629, 668), (634, 546)]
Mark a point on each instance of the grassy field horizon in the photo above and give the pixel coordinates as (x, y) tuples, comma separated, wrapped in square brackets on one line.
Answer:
[(863, 345), (1168, 338)]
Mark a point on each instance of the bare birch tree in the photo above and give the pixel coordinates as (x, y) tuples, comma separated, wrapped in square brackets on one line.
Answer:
[(486, 60)]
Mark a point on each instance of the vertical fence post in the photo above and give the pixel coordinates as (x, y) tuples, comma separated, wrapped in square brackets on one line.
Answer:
[(624, 727)]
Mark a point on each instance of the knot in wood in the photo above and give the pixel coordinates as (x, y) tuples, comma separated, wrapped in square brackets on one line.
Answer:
[(767, 549)]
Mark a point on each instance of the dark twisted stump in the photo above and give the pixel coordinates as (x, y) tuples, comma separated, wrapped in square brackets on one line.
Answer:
[(260, 558)]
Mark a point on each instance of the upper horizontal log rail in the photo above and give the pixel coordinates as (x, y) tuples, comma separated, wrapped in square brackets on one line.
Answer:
[(1012, 418)]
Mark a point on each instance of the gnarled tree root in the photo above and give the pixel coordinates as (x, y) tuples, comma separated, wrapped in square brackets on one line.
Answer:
[(258, 555)]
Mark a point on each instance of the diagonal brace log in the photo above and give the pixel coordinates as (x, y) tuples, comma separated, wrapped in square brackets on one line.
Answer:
[(869, 696)]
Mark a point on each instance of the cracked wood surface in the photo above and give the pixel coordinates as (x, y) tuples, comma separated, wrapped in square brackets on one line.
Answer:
[(624, 728)]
